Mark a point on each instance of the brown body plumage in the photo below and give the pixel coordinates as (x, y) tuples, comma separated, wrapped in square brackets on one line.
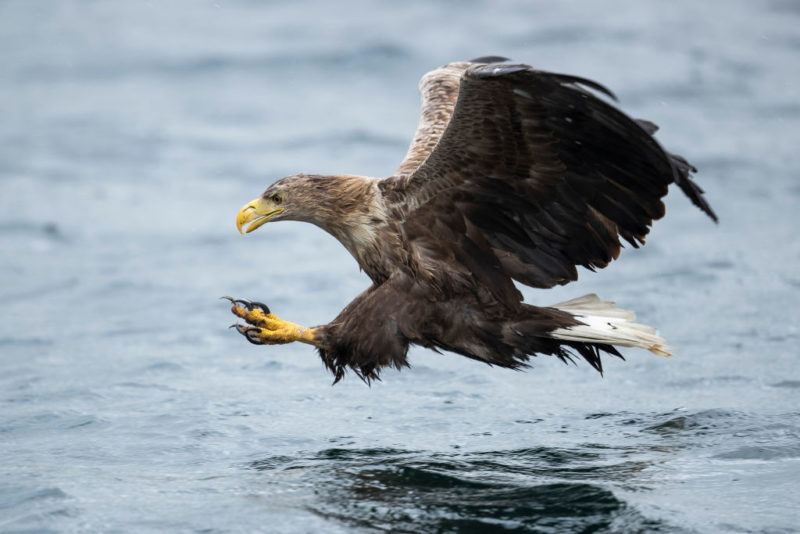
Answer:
[(513, 174)]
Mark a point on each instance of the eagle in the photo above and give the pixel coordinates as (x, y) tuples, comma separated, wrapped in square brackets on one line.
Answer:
[(514, 174)]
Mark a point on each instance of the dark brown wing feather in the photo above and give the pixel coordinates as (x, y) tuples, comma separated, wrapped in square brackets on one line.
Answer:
[(438, 91), (550, 174)]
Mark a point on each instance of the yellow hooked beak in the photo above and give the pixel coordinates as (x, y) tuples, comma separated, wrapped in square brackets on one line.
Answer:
[(259, 210)]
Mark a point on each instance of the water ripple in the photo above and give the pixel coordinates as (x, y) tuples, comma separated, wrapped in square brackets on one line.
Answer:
[(540, 489)]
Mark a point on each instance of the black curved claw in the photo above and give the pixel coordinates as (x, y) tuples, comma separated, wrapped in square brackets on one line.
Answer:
[(252, 335), (248, 304), (248, 332), (245, 303), (261, 306)]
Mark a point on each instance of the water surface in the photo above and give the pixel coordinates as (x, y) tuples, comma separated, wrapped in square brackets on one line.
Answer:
[(133, 132)]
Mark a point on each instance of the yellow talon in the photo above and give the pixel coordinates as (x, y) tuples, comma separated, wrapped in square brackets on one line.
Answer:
[(273, 330)]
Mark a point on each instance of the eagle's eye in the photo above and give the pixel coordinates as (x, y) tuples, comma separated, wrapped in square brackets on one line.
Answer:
[(277, 199)]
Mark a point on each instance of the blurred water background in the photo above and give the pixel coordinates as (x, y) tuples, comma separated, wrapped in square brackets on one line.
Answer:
[(132, 132)]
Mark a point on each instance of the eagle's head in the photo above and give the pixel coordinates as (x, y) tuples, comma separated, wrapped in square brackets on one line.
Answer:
[(270, 206), (327, 201)]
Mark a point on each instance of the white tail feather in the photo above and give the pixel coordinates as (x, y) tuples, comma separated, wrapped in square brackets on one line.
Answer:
[(605, 323)]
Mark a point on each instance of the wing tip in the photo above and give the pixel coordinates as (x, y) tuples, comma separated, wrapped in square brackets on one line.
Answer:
[(682, 170)]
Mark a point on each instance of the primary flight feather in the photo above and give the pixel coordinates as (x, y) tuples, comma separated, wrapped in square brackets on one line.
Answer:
[(513, 174)]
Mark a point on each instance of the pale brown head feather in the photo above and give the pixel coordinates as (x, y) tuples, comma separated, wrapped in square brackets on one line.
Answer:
[(348, 207)]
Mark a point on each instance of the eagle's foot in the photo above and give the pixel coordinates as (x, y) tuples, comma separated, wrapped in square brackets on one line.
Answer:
[(266, 328)]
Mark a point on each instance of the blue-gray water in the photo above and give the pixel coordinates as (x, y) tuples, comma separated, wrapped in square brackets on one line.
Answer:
[(132, 132)]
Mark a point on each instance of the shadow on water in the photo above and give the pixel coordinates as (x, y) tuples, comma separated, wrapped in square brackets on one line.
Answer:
[(530, 490)]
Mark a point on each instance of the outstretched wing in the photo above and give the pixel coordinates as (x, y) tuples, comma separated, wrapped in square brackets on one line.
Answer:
[(438, 90), (550, 175)]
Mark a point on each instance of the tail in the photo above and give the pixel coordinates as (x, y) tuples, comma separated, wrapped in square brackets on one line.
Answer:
[(602, 323)]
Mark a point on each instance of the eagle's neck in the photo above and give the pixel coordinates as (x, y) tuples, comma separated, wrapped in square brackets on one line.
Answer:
[(351, 209)]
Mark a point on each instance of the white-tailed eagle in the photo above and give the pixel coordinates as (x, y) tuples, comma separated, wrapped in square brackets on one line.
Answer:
[(513, 174)]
